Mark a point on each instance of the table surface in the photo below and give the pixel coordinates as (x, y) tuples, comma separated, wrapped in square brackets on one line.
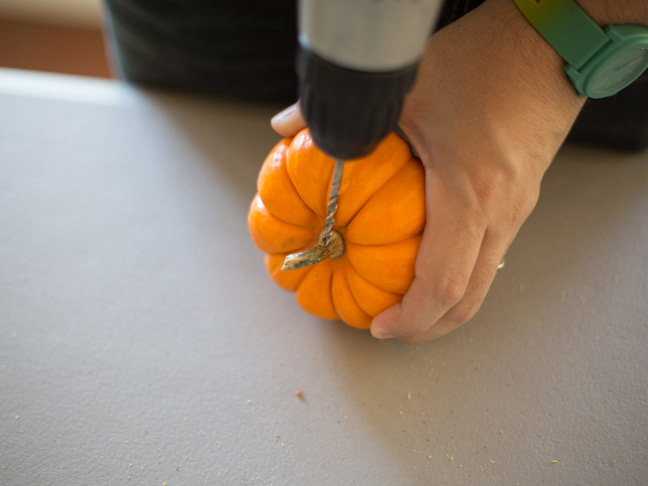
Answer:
[(141, 341)]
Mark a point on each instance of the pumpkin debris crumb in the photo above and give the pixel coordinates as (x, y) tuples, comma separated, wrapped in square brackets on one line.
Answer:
[(299, 394)]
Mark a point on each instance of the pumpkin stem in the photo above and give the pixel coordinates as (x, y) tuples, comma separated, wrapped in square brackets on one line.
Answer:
[(316, 254)]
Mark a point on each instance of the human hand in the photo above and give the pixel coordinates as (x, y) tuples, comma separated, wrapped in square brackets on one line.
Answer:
[(490, 108)]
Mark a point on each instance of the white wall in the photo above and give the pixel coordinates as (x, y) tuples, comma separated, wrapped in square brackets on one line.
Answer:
[(86, 13)]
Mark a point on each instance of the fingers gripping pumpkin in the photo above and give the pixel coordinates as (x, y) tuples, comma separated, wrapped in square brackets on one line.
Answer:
[(380, 218)]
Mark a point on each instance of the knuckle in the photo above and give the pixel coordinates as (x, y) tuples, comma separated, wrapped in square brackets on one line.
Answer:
[(521, 207), (464, 311), (452, 290)]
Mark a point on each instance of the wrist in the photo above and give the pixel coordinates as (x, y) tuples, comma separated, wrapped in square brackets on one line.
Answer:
[(492, 70)]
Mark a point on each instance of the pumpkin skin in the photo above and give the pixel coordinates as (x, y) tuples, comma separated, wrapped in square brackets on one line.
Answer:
[(381, 215)]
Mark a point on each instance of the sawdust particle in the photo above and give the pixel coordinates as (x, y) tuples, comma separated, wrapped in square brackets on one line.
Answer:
[(409, 395), (555, 461), (17, 417), (299, 394)]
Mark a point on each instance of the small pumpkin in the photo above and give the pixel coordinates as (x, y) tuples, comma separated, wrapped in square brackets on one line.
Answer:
[(380, 218)]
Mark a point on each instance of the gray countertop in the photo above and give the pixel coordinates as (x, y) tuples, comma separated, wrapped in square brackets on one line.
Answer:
[(141, 341)]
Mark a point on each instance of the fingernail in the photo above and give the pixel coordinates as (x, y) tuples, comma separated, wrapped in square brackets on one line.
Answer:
[(286, 113), (384, 335)]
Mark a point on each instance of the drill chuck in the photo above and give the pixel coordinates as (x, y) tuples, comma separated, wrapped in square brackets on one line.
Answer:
[(350, 111)]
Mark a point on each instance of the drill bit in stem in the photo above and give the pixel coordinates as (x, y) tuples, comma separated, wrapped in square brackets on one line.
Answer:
[(331, 209), (330, 244)]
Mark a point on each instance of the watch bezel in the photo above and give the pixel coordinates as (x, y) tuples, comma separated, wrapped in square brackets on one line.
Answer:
[(622, 38)]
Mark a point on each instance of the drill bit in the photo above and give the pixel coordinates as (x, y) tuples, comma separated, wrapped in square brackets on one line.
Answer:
[(331, 209), (328, 246)]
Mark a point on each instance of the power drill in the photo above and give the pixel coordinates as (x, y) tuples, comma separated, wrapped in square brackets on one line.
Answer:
[(357, 60)]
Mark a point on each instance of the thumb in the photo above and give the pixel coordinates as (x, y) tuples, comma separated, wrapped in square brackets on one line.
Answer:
[(289, 121)]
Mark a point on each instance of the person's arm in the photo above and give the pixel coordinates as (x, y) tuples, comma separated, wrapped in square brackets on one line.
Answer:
[(490, 109)]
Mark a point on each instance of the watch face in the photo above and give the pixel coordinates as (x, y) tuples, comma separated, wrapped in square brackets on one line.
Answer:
[(626, 66)]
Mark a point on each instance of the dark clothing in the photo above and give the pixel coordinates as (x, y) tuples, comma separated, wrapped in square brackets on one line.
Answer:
[(245, 49)]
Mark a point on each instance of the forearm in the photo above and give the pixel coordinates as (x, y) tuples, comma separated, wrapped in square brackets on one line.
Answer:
[(618, 12), (491, 106)]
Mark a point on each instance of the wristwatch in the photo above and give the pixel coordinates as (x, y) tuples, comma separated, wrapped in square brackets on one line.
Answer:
[(600, 62)]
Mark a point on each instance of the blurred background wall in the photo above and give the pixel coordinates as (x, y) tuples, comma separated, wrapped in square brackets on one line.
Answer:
[(53, 35)]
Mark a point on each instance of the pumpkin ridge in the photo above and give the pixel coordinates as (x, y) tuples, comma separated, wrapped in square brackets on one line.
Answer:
[(351, 288), (365, 203), (315, 152), (292, 184), (315, 227), (371, 299), (348, 261), (310, 269), (326, 291), (284, 161), (348, 223), (302, 279), (344, 301), (397, 263)]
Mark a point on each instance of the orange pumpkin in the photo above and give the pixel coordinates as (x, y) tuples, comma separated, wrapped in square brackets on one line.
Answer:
[(380, 217)]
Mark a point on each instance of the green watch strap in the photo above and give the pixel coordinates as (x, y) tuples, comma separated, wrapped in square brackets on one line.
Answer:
[(569, 30)]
